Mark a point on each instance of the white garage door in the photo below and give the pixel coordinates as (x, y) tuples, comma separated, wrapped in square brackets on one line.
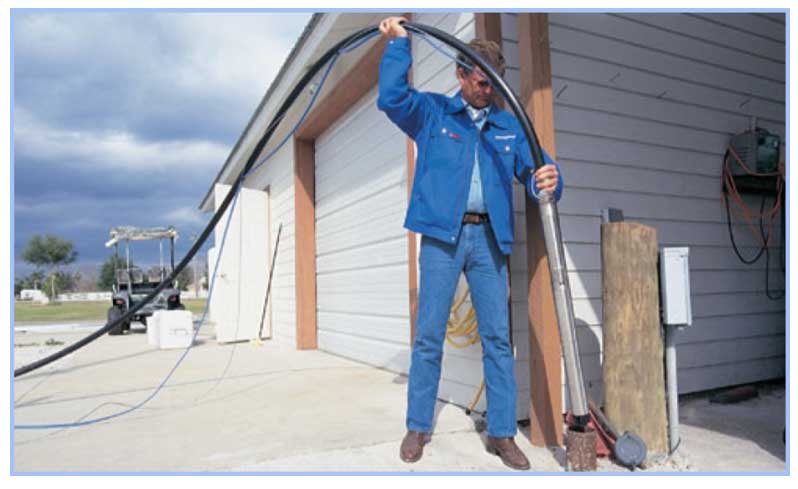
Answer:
[(361, 245)]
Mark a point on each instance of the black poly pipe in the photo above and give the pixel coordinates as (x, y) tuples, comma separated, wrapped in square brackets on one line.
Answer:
[(215, 218), (537, 157), (496, 80)]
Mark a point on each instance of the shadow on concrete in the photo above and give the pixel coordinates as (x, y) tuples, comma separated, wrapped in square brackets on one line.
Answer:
[(182, 384), (79, 366), (760, 420)]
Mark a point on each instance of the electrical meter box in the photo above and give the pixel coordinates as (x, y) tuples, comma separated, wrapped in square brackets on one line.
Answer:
[(674, 274), (758, 149)]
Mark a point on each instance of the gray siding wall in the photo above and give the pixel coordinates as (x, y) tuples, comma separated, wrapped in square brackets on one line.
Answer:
[(645, 105)]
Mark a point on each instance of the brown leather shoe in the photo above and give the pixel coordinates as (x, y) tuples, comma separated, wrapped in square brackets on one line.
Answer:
[(413, 446), (508, 451)]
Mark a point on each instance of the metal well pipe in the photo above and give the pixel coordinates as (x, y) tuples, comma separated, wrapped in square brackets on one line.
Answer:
[(561, 290), (672, 388)]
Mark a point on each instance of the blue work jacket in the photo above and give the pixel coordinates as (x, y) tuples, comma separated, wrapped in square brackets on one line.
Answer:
[(446, 137)]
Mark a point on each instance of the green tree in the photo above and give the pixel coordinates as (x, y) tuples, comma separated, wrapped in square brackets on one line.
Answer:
[(108, 271), (50, 253), (32, 281), (185, 278), (19, 284), (64, 281), (35, 280)]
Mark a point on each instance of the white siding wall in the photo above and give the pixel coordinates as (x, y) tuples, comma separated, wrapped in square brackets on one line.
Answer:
[(361, 244), (645, 104), (278, 175), (462, 367)]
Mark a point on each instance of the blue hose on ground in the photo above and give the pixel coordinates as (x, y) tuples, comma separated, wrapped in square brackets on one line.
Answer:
[(235, 190)]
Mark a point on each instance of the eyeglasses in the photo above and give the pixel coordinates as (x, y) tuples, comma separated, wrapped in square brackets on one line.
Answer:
[(484, 84), (478, 79)]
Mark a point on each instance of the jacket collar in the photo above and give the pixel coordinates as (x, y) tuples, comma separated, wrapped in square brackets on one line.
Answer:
[(496, 116)]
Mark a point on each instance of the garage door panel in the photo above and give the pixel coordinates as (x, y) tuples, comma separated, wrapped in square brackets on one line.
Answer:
[(375, 207), (383, 354), (361, 245), (375, 174), (378, 304), (389, 251), (350, 149), (365, 279), (342, 239), (378, 151), (355, 123), (366, 326)]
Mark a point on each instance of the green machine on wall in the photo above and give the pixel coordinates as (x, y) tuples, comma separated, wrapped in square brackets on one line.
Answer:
[(752, 166), (756, 163)]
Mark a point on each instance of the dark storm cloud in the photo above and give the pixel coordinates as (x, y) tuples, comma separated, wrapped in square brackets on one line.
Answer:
[(125, 118), (160, 76)]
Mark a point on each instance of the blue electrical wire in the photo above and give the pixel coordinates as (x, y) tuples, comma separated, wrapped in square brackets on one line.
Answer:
[(160, 386), (172, 371), (445, 53), (290, 134)]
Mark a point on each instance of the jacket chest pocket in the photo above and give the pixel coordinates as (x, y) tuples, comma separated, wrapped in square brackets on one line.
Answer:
[(504, 151), (447, 144)]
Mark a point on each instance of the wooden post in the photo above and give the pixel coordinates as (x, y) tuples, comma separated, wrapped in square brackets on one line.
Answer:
[(305, 239), (634, 380), (545, 352)]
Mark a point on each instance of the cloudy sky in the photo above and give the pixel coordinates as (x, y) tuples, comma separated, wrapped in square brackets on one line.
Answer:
[(125, 118)]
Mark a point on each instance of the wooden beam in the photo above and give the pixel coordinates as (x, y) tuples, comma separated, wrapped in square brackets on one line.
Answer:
[(545, 371), (488, 27), (305, 243), (359, 79)]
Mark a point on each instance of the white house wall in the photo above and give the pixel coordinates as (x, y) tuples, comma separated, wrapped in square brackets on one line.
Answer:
[(644, 107), (361, 244), (277, 175)]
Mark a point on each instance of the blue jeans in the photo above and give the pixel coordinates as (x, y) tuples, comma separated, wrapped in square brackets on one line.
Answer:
[(477, 254)]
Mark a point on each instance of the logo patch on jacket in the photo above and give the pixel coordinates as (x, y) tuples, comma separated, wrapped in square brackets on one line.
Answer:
[(454, 136)]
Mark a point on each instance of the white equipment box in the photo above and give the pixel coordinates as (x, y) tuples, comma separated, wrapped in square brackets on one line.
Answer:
[(170, 329), (674, 273)]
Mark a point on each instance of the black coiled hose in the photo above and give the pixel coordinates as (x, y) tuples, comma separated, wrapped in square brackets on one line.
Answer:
[(498, 82)]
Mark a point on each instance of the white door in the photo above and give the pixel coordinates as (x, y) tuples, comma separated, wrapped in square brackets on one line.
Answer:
[(361, 245), (240, 287)]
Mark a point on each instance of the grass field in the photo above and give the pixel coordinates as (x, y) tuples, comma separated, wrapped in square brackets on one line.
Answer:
[(77, 311)]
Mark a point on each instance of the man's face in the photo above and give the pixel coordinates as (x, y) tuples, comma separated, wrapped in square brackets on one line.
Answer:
[(476, 87)]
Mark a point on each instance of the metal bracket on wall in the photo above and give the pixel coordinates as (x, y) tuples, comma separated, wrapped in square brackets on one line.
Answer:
[(611, 214)]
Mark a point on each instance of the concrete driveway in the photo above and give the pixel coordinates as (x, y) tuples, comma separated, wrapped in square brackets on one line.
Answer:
[(271, 408)]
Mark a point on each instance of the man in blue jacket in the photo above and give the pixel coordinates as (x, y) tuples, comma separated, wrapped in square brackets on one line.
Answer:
[(462, 205)]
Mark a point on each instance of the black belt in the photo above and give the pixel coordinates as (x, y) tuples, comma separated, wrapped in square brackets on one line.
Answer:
[(474, 218)]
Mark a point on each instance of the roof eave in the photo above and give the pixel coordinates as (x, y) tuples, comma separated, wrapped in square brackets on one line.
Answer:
[(206, 203)]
